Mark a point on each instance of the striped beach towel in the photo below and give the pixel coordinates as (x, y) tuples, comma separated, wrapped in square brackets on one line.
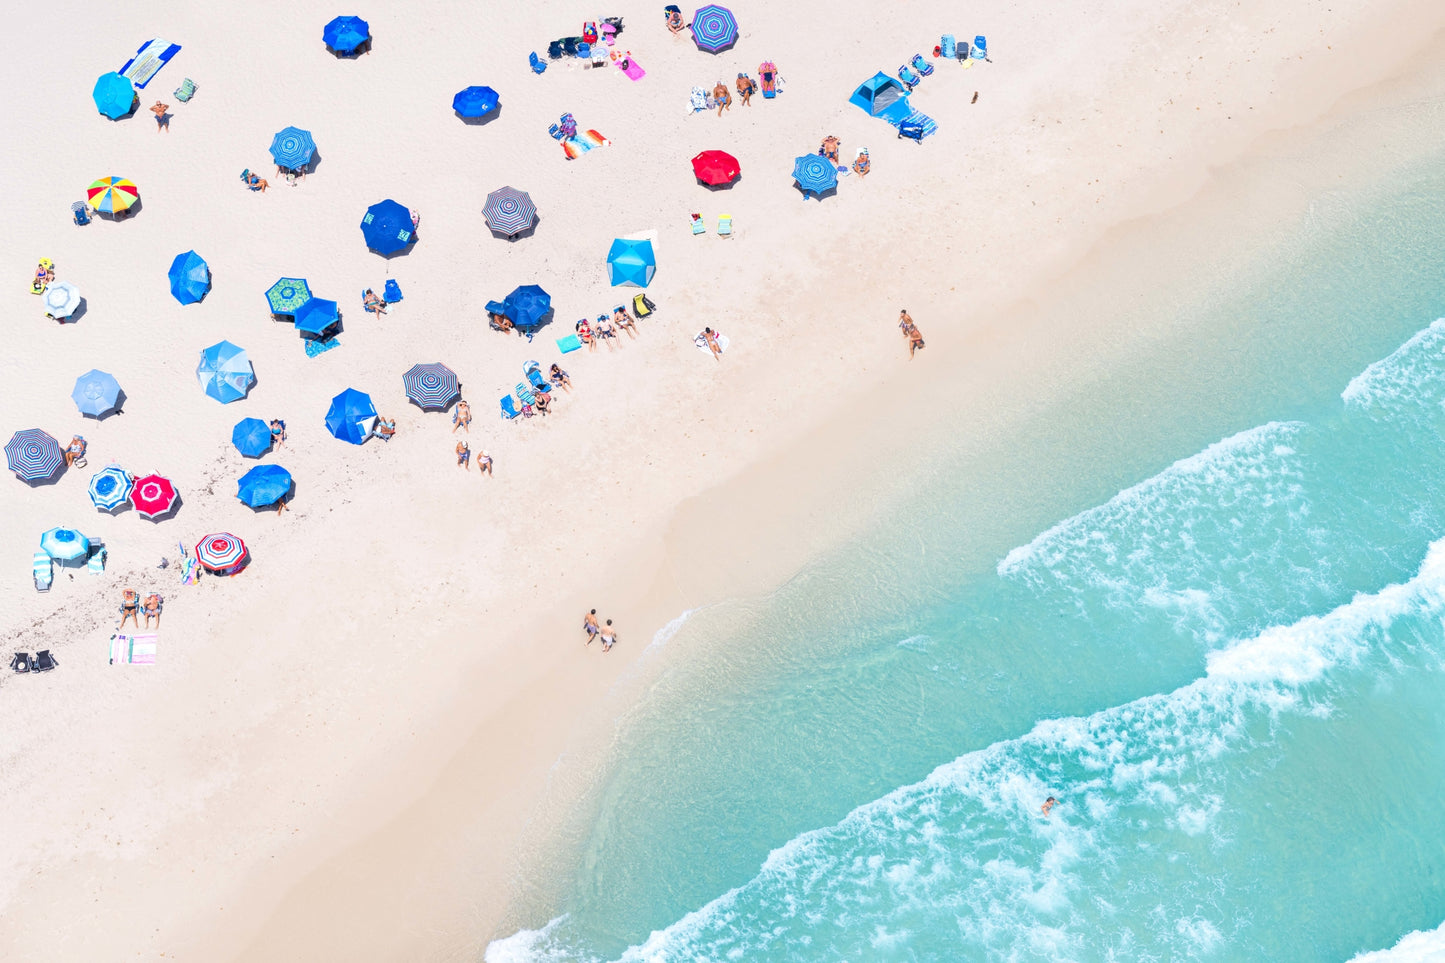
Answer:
[(584, 141), (149, 58), (133, 649)]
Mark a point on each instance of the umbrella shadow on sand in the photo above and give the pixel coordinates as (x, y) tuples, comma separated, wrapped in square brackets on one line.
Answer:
[(483, 120), (717, 188), (47, 482), (125, 215), (525, 232), (75, 315), (168, 514)]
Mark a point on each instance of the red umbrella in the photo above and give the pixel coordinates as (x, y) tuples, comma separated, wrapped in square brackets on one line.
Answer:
[(153, 495), (716, 167)]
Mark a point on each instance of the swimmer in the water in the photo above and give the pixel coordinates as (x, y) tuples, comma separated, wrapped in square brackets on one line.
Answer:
[(1048, 805)]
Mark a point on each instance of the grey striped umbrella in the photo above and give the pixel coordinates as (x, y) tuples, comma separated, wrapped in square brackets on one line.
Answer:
[(509, 211)]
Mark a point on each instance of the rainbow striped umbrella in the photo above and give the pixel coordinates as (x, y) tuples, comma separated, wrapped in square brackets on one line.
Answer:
[(509, 211), (222, 553), (112, 194)]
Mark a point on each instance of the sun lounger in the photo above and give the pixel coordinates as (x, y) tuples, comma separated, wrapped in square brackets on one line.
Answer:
[(526, 397), (186, 91), (554, 50), (584, 50), (44, 661), (768, 79), (536, 62), (948, 46), (699, 226), (569, 46), (509, 408), (909, 78), (539, 382), (81, 212), (923, 67), (392, 292), (42, 571), (724, 225), (980, 48), (20, 662), (641, 306), (95, 564)]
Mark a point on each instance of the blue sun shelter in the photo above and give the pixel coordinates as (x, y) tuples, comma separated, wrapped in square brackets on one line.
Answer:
[(114, 95), (882, 96), (190, 277), (388, 227), (631, 262), (351, 416), (475, 102), (346, 35)]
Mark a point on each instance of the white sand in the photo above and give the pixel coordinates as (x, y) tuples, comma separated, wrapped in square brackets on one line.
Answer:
[(339, 749)]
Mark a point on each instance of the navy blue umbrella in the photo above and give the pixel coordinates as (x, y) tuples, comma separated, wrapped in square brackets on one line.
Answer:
[(475, 102), (96, 393), (252, 437), (345, 34), (527, 305), (316, 315), (190, 277), (351, 416), (292, 148), (387, 227), (264, 485)]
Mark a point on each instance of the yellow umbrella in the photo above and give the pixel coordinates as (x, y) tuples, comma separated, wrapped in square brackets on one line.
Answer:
[(112, 194)]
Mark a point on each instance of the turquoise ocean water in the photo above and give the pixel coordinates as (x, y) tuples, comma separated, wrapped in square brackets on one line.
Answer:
[(1231, 674)]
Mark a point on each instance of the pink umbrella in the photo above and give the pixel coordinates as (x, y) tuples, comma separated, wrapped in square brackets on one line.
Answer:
[(153, 495)]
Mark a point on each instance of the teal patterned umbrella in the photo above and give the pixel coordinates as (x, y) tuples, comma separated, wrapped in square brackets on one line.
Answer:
[(288, 294)]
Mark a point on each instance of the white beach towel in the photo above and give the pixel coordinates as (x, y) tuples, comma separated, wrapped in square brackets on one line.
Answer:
[(133, 649), (149, 58), (701, 342)]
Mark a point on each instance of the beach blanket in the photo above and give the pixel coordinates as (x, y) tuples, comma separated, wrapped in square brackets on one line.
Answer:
[(585, 141), (314, 347), (629, 67), (149, 58), (569, 343), (133, 649), (697, 100), (701, 342)]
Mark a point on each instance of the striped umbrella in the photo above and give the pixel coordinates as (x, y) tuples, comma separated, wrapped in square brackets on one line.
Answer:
[(110, 195), (96, 393), (64, 544), (225, 372), (153, 495), (110, 488), (61, 299), (509, 211), (288, 294), (293, 148), (222, 553), (714, 28), (431, 387), (814, 173), (33, 455)]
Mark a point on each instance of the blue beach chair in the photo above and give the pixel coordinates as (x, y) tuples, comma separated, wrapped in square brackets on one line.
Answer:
[(509, 408), (922, 66), (909, 78), (980, 48), (81, 211), (539, 382), (525, 396), (537, 65)]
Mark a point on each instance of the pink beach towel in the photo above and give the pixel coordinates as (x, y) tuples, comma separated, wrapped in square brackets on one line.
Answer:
[(630, 67), (133, 649)]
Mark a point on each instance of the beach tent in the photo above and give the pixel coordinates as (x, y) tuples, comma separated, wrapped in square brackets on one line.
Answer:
[(33, 455), (431, 387), (225, 372), (64, 544), (222, 553), (110, 488), (509, 211), (475, 102), (527, 306), (252, 437), (814, 174), (293, 148), (345, 34), (716, 167), (351, 416), (263, 485), (96, 393), (316, 315), (287, 295), (61, 299), (387, 227), (882, 96), (190, 278), (114, 95), (714, 28), (111, 195), (153, 495), (631, 262)]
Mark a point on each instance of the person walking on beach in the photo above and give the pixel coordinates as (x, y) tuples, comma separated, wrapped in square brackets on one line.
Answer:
[(163, 117), (462, 417), (484, 463), (910, 331), (590, 626), (609, 636), (464, 455)]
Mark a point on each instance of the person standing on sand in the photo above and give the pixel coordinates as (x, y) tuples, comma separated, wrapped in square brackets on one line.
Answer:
[(589, 625), (910, 331), (609, 636), (163, 117), (464, 455), (484, 463)]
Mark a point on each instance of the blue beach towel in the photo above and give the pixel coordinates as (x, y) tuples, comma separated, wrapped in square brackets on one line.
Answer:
[(314, 347), (149, 58), (569, 344)]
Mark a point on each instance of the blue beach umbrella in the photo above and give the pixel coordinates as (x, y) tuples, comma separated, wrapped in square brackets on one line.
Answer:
[(631, 262), (345, 34), (263, 485), (110, 488), (252, 437), (96, 393), (65, 544), (33, 455), (351, 416), (293, 148), (190, 277), (316, 315), (714, 28), (431, 387), (475, 102), (225, 372), (527, 305), (387, 227), (287, 295), (114, 95), (814, 173)]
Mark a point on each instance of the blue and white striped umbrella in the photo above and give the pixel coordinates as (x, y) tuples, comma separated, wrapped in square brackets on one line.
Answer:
[(814, 173), (293, 148), (110, 488), (33, 455), (431, 386), (714, 28), (65, 544), (96, 393), (509, 211)]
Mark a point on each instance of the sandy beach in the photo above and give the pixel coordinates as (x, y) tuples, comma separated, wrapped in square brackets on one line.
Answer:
[(361, 746)]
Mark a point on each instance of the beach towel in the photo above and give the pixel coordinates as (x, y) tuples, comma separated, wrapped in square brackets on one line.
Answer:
[(585, 141), (629, 67), (315, 347), (133, 649), (701, 342), (569, 344), (697, 100), (149, 58)]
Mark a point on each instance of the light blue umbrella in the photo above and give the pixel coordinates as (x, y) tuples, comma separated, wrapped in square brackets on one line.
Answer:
[(96, 393), (190, 277), (475, 102), (225, 372), (110, 488), (345, 34), (64, 544), (114, 95), (387, 227), (814, 174), (263, 485), (351, 416), (631, 262), (316, 315), (293, 148)]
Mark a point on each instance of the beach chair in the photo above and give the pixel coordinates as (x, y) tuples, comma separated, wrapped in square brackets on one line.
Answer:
[(980, 48), (699, 226), (923, 67), (948, 46), (724, 225), (909, 78), (554, 50), (911, 129), (768, 79), (186, 91), (569, 46), (42, 572), (963, 51), (20, 662), (538, 381), (44, 661), (526, 397), (537, 65), (95, 564), (509, 408), (81, 212), (641, 306)]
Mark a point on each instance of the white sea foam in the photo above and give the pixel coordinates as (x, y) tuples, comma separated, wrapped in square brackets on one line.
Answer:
[(665, 634), (1403, 373), (919, 643), (532, 946), (1421, 946)]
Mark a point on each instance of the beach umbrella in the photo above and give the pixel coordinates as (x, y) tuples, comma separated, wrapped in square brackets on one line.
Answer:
[(252, 437), (527, 305), (814, 173), (61, 299), (190, 277), (293, 148), (475, 101), (714, 28), (509, 211), (387, 227), (631, 262), (345, 34), (153, 495), (431, 386), (316, 315), (65, 544), (110, 195), (110, 488), (263, 485), (288, 294), (351, 416), (222, 553), (716, 167), (96, 393), (33, 455), (114, 95), (225, 372)]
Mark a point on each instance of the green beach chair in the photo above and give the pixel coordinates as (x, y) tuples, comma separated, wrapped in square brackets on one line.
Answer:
[(186, 90)]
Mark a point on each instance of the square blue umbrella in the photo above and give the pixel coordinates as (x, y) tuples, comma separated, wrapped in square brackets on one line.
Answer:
[(345, 34), (387, 227), (631, 262), (190, 277)]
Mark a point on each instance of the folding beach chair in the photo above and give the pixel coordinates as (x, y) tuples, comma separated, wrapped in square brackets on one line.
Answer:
[(509, 408), (699, 226), (42, 571), (186, 91), (539, 382), (95, 564), (641, 306), (20, 662), (81, 212), (537, 65), (569, 46), (525, 396), (554, 50), (980, 48), (44, 661), (923, 67), (724, 225), (948, 46), (909, 78)]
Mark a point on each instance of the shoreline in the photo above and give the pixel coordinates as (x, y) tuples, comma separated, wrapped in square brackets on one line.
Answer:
[(464, 799)]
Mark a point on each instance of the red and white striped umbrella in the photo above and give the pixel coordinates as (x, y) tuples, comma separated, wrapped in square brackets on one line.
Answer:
[(221, 552), (153, 495)]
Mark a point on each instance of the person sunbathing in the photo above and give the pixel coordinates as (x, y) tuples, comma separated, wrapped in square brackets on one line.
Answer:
[(709, 338), (604, 329), (278, 432), (256, 183), (910, 331), (129, 608), (560, 378), (544, 401), (385, 428), (830, 148), (722, 97), (152, 607), (462, 417), (584, 332), (674, 19), (746, 88), (44, 274), (372, 303), (860, 163), (623, 320), (500, 321), (75, 451)]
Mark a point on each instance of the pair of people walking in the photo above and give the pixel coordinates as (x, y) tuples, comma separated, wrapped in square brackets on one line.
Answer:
[(606, 632)]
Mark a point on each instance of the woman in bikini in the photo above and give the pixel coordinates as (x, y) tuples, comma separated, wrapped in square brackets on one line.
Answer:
[(372, 303), (129, 608), (709, 337), (278, 432), (75, 451), (462, 417), (584, 332), (560, 378)]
